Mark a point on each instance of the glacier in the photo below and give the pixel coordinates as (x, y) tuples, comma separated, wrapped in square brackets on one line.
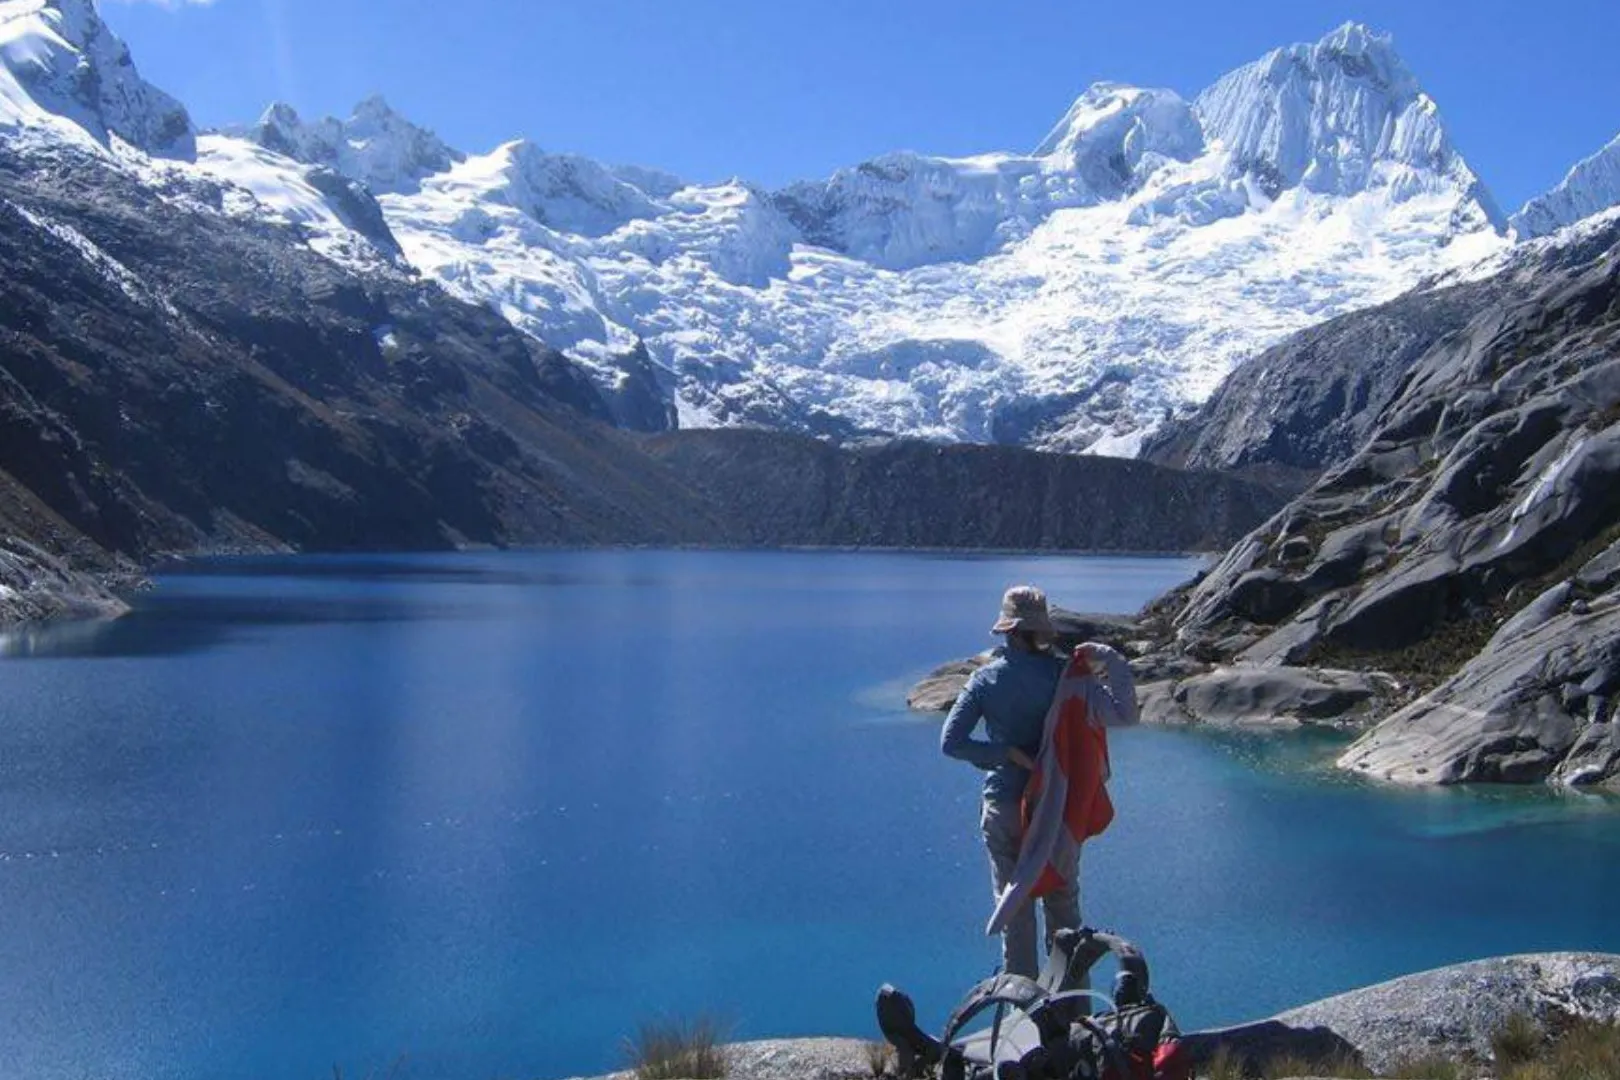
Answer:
[(1068, 298), (1071, 297)]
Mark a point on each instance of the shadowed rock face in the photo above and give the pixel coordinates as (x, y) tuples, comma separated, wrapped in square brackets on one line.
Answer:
[(171, 380), (1471, 547), (1313, 401), (787, 489)]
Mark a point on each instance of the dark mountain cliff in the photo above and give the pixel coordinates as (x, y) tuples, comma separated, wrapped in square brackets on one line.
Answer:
[(1470, 548), (788, 489), (175, 381)]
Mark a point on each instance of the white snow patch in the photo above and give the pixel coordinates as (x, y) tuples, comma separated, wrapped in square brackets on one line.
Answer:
[(261, 184), (110, 268), (1128, 445)]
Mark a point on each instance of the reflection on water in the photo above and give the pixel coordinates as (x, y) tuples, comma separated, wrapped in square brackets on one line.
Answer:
[(164, 625), (424, 569)]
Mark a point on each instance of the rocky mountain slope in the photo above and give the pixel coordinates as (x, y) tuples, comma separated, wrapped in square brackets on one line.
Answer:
[(1470, 547), (1069, 297), (175, 379)]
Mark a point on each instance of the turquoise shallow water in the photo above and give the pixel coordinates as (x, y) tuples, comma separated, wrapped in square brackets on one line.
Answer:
[(487, 812)]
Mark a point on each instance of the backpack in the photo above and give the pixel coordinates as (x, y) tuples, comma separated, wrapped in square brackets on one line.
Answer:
[(1045, 1029)]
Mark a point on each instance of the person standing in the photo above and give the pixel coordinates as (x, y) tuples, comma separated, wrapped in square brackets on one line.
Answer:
[(1010, 695)]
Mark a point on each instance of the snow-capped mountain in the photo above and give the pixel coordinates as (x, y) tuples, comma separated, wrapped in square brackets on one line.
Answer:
[(62, 72), (1591, 187), (375, 146), (1068, 297), (67, 83), (1341, 117)]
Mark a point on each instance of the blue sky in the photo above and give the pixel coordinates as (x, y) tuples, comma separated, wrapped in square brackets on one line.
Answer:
[(774, 91)]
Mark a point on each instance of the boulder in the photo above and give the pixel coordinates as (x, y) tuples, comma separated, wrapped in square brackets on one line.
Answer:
[(938, 691), (798, 1059), (1453, 1011), (1273, 696), (1594, 760), (1265, 596), (1449, 1012), (790, 1059)]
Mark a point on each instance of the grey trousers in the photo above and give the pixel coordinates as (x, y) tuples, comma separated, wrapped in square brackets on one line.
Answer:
[(1002, 831)]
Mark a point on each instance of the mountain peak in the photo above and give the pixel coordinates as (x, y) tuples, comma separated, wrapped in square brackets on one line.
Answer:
[(1591, 187), (1341, 116), (1112, 129), (376, 145), (1359, 39), (1106, 103), (62, 68), (375, 107)]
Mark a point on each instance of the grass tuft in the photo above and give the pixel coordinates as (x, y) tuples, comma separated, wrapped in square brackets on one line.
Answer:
[(1222, 1065), (1339, 1067), (880, 1058), (1586, 1050), (678, 1050), (1517, 1042), (1430, 1067)]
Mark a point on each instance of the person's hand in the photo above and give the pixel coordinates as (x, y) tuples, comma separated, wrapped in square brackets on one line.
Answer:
[(1021, 759)]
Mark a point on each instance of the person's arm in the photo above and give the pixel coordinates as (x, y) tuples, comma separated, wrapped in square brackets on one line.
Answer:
[(1117, 704), (956, 737)]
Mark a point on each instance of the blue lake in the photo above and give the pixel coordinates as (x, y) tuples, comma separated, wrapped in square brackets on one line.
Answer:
[(486, 813)]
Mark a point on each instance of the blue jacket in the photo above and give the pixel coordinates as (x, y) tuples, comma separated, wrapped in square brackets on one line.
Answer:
[(1011, 694)]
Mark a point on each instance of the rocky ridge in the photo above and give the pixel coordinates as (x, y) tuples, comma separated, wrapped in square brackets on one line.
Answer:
[(1031, 299), (1470, 548), (1310, 402), (1591, 187)]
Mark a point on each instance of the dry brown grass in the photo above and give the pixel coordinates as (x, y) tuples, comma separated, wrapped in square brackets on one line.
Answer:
[(1585, 1050), (880, 1058), (1339, 1066), (1224, 1065), (1518, 1041), (678, 1050), (1431, 1067)]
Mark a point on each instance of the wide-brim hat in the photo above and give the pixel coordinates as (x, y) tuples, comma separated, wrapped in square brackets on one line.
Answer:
[(1023, 607)]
